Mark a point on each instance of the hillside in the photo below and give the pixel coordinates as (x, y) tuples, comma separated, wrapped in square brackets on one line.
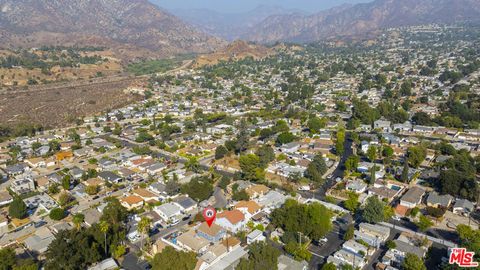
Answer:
[(358, 20), (132, 27), (237, 50)]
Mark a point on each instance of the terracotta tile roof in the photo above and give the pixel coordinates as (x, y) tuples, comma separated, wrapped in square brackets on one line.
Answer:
[(252, 206), (212, 231), (234, 216), (401, 210), (132, 199)]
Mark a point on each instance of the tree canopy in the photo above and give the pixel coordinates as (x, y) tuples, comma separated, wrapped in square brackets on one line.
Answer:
[(172, 259), (312, 220)]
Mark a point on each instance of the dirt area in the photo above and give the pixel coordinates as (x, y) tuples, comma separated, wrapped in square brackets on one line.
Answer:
[(60, 104)]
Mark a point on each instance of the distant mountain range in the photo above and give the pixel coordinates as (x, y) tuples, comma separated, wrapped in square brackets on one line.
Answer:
[(131, 26), (230, 26), (353, 21), (138, 28)]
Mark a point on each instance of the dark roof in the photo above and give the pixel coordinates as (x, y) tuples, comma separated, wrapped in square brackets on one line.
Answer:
[(109, 176), (185, 202)]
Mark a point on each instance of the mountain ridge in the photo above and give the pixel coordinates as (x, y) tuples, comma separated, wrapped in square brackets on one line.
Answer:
[(124, 24), (361, 19)]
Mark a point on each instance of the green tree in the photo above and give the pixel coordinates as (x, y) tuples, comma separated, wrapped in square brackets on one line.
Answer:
[(17, 208), (104, 228), (199, 188), (412, 262), (312, 220), (315, 124), (349, 234), (390, 244), (316, 169), (285, 137), (266, 155), (416, 155), (374, 210), (171, 259), (251, 170), (78, 219), (352, 163), (423, 223), (57, 214), (144, 226), (261, 256), (220, 152), (372, 153), (193, 165), (352, 202), (329, 266), (7, 258), (387, 151)]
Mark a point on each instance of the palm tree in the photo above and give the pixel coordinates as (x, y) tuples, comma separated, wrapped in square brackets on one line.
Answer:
[(144, 227), (78, 220), (104, 227)]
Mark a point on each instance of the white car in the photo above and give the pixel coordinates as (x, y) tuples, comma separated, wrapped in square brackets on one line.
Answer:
[(323, 240)]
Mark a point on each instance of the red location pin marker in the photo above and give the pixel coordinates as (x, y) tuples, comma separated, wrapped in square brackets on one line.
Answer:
[(209, 214)]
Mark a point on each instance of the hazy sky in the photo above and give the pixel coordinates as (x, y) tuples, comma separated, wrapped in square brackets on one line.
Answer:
[(245, 5)]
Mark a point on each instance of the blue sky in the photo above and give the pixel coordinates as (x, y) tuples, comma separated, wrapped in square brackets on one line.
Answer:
[(232, 6)]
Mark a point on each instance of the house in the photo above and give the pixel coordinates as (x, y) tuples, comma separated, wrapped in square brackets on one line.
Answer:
[(248, 208), (255, 236), (233, 220), (63, 155), (40, 240), (186, 203), (107, 264), (24, 185), (382, 125), (146, 195), (212, 234), (255, 191), (110, 177), (170, 212), (344, 257), (5, 198), (463, 207), (436, 200), (190, 241), (16, 169), (413, 197), (92, 216), (290, 147), (132, 202), (41, 202), (357, 248), (357, 186), (373, 234), (35, 162), (287, 263), (271, 200), (159, 189)]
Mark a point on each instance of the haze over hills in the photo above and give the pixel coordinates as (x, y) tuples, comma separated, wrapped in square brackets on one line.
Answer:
[(230, 26), (358, 20), (128, 25)]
